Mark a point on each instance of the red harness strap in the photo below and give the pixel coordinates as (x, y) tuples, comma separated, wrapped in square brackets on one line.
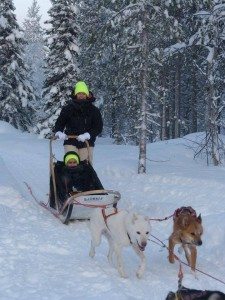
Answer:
[(105, 217), (185, 209)]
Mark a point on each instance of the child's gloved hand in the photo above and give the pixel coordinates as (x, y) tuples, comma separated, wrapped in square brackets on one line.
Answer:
[(83, 137), (60, 135)]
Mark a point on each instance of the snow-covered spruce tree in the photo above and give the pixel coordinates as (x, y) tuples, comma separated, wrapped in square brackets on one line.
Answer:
[(176, 59), (193, 81), (34, 50), (181, 61), (113, 73), (62, 61), (100, 61), (91, 22), (124, 67), (138, 22), (210, 37), (163, 33), (128, 53), (16, 90)]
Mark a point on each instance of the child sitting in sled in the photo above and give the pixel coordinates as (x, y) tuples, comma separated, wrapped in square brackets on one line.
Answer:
[(72, 176)]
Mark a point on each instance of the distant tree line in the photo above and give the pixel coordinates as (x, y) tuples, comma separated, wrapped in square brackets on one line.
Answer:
[(156, 67)]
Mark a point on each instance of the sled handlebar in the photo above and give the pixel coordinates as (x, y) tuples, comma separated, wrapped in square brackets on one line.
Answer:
[(72, 136), (53, 138)]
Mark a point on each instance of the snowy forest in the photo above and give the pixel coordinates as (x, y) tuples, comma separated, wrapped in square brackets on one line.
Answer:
[(157, 68)]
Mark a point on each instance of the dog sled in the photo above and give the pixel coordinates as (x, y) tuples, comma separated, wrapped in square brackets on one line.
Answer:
[(76, 205)]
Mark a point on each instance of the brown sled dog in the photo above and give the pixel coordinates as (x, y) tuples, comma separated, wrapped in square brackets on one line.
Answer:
[(187, 231)]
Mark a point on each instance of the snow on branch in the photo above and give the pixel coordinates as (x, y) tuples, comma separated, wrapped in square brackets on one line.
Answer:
[(211, 54), (3, 22), (175, 48), (219, 7), (134, 46), (126, 11), (202, 14)]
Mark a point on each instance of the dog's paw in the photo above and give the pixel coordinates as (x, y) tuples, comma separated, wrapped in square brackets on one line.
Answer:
[(193, 272), (171, 258)]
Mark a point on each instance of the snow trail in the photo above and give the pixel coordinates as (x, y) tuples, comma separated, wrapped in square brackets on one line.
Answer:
[(41, 258)]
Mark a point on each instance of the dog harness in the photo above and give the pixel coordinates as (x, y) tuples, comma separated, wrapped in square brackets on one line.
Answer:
[(186, 210), (105, 217)]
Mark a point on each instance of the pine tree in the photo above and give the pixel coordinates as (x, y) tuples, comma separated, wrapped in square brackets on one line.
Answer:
[(150, 62), (34, 50), (62, 61), (124, 65), (138, 21), (176, 59), (16, 90), (210, 37), (100, 61)]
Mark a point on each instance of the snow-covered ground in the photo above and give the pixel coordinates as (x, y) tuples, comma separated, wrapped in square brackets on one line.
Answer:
[(40, 258)]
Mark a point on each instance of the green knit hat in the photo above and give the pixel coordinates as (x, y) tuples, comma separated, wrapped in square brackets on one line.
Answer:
[(81, 87), (71, 155)]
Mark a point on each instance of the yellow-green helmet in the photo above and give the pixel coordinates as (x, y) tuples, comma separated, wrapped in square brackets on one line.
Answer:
[(81, 87), (71, 155)]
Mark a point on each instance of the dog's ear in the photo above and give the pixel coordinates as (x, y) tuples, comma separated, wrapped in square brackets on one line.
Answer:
[(134, 218), (199, 218)]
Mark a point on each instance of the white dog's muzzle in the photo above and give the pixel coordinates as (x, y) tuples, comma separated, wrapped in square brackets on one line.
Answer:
[(142, 245)]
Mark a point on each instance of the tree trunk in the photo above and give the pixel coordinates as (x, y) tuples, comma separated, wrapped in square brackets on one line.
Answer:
[(115, 133), (164, 107), (113, 118), (163, 123), (177, 99), (193, 116), (212, 111), (143, 79)]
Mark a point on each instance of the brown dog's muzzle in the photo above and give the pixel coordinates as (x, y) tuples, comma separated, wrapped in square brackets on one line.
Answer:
[(197, 243)]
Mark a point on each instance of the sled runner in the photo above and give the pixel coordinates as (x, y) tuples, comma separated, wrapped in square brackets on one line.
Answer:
[(76, 204)]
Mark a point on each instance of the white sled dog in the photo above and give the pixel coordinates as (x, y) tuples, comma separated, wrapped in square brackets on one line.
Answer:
[(121, 228)]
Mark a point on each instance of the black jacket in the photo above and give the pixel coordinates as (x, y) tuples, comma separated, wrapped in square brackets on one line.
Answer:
[(81, 178), (77, 118)]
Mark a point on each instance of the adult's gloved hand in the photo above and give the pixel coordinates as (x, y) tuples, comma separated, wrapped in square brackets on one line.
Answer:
[(60, 135), (83, 137)]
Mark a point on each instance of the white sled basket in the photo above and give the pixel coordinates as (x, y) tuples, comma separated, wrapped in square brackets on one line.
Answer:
[(81, 205)]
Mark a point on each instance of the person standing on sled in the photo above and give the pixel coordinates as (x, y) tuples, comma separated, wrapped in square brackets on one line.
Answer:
[(81, 118)]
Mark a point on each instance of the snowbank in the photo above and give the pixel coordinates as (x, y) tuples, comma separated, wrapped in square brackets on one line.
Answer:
[(6, 128)]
